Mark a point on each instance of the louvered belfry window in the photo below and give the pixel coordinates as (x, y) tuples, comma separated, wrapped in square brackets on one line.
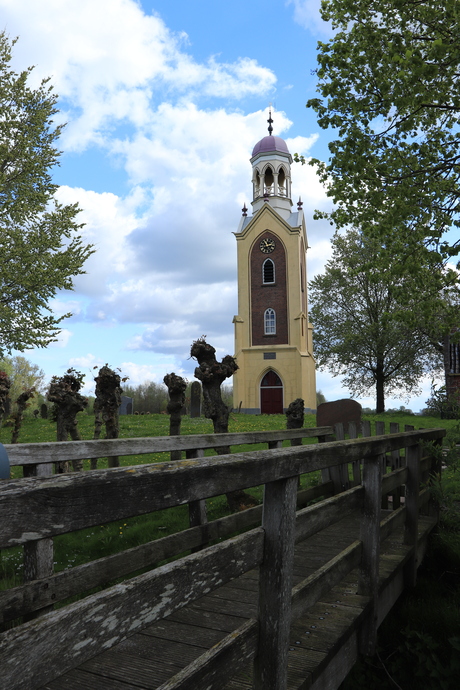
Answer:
[(268, 271)]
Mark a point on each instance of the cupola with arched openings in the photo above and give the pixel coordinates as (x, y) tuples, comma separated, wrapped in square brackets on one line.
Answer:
[(271, 177)]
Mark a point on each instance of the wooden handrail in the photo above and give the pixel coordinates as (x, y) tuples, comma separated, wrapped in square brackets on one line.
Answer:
[(34, 509), (35, 453)]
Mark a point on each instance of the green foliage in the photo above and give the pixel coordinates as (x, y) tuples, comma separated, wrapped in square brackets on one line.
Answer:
[(389, 89), (39, 245), (440, 405), (23, 375), (148, 397), (320, 398), (366, 321)]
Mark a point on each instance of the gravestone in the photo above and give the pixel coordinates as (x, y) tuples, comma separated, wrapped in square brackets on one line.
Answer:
[(344, 411), (126, 405), (195, 399)]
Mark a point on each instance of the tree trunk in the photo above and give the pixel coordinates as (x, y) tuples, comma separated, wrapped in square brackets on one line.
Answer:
[(212, 373), (380, 388), (22, 402), (64, 393), (176, 388), (106, 405)]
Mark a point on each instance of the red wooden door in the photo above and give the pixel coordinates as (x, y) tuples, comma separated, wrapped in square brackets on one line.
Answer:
[(271, 394)]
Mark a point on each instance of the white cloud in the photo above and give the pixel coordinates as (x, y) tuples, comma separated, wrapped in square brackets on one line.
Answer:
[(111, 63), (88, 361), (139, 373), (62, 339), (306, 13)]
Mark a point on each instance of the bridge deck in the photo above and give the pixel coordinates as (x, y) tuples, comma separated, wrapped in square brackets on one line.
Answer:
[(323, 642)]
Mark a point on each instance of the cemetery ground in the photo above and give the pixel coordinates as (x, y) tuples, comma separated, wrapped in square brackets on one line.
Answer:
[(419, 642)]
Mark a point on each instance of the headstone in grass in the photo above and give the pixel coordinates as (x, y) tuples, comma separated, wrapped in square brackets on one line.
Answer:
[(176, 386), (68, 402), (195, 399), (339, 411), (212, 374), (126, 405)]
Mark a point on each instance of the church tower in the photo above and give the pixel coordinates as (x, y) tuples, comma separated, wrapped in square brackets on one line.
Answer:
[(273, 338)]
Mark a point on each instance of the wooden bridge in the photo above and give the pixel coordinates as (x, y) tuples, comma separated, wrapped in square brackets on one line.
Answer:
[(288, 603)]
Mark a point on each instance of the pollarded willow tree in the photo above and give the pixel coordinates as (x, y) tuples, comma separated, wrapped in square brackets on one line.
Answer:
[(40, 248), (389, 81), (370, 327)]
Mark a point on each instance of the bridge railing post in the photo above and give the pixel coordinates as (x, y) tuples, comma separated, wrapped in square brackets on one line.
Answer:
[(197, 511), (275, 585), (370, 536), (39, 554), (413, 456)]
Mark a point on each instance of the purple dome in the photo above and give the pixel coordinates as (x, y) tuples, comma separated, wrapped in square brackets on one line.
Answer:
[(268, 144)]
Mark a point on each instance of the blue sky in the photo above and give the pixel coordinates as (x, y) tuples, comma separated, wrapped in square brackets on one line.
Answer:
[(164, 101)]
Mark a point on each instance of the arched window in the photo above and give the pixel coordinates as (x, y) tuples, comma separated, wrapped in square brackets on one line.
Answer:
[(270, 322), (268, 271), (269, 179), (282, 182)]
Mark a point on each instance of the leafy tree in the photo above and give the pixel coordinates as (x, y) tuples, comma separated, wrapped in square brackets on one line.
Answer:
[(320, 397), (390, 90), (362, 328), (23, 374), (148, 397), (39, 245)]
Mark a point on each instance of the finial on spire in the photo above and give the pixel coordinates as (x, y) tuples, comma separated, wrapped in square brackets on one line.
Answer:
[(299, 204), (244, 210), (270, 121)]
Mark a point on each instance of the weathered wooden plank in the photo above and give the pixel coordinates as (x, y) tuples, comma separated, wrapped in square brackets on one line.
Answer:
[(315, 518), (413, 456), (39, 651), (38, 555), (339, 473), (308, 592), (392, 522), (83, 680), (394, 479), (36, 508), (356, 465), (172, 631), (370, 536), (306, 495), (218, 664), (34, 453), (275, 584)]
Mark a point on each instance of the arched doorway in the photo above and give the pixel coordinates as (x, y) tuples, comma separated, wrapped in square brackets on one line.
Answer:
[(271, 394)]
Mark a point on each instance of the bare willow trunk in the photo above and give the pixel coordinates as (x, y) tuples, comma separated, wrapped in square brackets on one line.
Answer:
[(5, 385), (68, 402), (176, 388), (22, 403), (212, 373), (106, 406)]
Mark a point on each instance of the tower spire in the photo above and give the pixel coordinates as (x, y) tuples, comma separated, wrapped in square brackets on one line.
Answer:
[(270, 121)]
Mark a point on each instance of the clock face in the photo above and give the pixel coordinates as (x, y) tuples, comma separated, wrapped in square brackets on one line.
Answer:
[(267, 245)]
